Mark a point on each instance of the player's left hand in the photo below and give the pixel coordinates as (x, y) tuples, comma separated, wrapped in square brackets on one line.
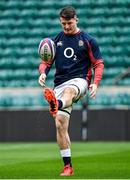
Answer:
[(93, 90)]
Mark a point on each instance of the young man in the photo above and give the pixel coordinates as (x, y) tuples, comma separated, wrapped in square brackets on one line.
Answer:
[(76, 53)]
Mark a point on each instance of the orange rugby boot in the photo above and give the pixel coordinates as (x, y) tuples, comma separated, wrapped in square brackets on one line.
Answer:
[(51, 99), (67, 171)]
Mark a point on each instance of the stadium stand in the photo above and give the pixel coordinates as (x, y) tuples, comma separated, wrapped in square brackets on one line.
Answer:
[(24, 23)]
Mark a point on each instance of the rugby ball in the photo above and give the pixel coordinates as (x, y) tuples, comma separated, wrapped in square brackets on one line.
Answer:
[(47, 49)]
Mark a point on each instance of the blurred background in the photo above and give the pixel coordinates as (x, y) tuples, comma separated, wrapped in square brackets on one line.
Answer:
[(24, 113)]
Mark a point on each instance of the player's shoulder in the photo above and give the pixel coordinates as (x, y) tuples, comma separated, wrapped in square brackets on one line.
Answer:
[(88, 37), (58, 36)]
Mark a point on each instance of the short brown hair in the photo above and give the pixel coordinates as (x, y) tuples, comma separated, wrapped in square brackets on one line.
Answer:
[(68, 12)]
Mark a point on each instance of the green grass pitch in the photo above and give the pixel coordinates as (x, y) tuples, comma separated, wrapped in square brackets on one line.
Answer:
[(91, 160)]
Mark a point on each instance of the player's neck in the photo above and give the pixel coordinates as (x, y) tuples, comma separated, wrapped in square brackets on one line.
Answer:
[(77, 30), (74, 32)]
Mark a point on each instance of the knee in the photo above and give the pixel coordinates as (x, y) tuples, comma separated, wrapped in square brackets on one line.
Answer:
[(70, 91), (68, 95)]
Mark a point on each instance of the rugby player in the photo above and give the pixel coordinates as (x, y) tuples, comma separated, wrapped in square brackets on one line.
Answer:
[(77, 53)]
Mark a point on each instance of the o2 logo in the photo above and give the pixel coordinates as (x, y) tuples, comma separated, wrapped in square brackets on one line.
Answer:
[(69, 53)]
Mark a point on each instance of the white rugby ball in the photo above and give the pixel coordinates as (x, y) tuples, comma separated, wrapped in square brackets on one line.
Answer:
[(47, 49)]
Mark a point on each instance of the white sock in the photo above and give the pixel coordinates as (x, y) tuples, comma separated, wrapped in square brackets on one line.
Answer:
[(65, 152)]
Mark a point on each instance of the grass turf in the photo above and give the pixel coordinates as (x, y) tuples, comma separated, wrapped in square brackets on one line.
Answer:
[(42, 160)]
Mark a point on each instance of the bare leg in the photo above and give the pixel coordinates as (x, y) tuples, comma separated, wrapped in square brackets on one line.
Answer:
[(63, 139), (68, 95)]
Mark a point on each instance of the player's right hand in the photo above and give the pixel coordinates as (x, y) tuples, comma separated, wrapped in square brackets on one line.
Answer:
[(42, 79)]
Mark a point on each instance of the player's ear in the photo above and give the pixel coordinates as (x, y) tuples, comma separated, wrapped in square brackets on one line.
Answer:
[(75, 17)]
